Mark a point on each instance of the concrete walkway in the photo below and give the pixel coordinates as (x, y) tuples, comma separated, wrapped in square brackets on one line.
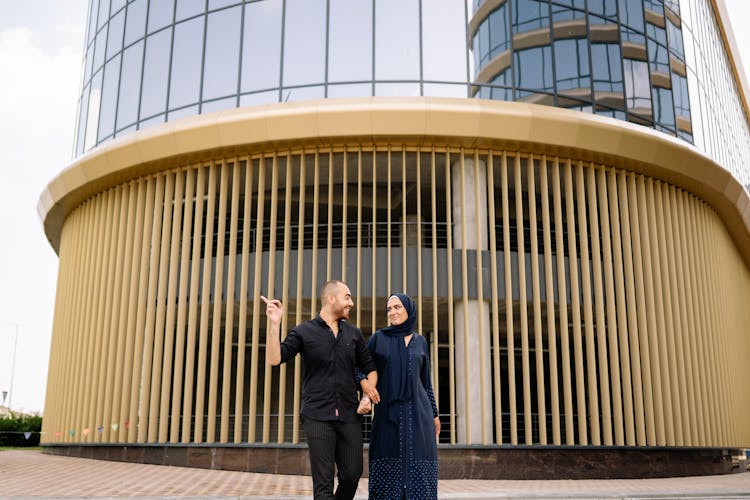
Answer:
[(35, 474)]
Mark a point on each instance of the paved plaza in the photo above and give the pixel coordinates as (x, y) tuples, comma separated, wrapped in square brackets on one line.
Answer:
[(29, 474)]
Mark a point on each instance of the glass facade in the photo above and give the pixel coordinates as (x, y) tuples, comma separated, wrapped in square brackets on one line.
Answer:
[(655, 63)]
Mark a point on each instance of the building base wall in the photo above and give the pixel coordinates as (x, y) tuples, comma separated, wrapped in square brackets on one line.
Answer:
[(456, 462)]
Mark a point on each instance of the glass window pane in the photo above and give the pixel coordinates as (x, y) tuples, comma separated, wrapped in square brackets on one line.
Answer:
[(135, 22), (82, 115), (155, 72), (303, 94), (631, 14), (533, 69), (114, 39), (444, 40), (681, 100), (675, 40), (572, 64), (130, 86), (304, 42), (160, 14), (607, 69), (182, 113), (222, 53), (261, 50), (529, 15), (350, 46), (99, 50), (188, 8), (499, 33), (117, 5), (259, 98), (89, 63), (397, 40), (664, 108), (109, 98), (103, 13), (397, 89), (221, 104), (637, 87), (184, 86), (92, 119), (217, 4), (350, 90)]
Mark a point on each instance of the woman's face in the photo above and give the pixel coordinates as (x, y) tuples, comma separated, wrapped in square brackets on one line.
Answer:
[(396, 311)]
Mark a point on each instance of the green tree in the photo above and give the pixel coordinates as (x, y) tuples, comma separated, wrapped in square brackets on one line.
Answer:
[(13, 430)]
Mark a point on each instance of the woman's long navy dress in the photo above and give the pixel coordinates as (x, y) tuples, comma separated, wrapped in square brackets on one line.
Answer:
[(403, 447)]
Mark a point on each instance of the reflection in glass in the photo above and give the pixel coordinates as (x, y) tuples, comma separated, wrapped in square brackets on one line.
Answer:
[(572, 65), (184, 83), (155, 73), (261, 49), (503, 90), (493, 36), (637, 88), (680, 93), (304, 42), (663, 107), (607, 67), (529, 15), (127, 104), (533, 69), (675, 40), (604, 8), (221, 61), (397, 41), (350, 41), (658, 58), (631, 14)]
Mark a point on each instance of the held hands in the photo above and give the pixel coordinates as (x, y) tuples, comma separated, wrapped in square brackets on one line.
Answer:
[(370, 391), (365, 406), (274, 309)]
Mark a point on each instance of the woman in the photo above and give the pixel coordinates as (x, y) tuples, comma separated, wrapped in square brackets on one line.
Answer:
[(403, 444)]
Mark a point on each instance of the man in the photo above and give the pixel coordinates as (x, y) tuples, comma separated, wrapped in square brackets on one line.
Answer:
[(331, 349)]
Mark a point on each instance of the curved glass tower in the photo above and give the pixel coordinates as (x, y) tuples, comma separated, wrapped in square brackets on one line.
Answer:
[(558, 184)]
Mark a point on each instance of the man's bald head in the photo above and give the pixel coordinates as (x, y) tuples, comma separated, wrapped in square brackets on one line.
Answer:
[(329, 289)]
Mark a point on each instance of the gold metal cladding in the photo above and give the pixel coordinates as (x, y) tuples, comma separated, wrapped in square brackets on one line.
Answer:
[(611, 292), (471, 123)]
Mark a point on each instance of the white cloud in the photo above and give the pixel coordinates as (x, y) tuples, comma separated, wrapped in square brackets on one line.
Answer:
[(37, 99)]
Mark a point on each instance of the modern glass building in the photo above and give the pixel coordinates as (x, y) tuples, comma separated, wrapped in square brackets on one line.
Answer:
[(558, 183)]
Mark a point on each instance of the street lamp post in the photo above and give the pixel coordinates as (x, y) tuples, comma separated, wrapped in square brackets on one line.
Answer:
[(12, 371)]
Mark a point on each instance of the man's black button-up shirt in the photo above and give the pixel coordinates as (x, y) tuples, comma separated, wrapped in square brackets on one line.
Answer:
[(329, 391)]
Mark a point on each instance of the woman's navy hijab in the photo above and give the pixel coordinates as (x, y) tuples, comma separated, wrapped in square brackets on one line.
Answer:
[(396, 386)]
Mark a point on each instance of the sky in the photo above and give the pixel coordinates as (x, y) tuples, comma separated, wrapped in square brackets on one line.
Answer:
[(41, 50)]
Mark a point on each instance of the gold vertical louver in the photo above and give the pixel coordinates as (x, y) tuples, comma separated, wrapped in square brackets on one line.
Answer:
[(610, 306)]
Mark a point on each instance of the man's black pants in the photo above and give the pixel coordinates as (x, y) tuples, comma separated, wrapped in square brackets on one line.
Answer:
[(334, 445)]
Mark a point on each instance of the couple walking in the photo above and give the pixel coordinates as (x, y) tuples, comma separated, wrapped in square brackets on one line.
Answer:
[(394, 369)]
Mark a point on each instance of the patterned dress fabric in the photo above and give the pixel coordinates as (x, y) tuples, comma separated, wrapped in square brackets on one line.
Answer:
[(403, 447)]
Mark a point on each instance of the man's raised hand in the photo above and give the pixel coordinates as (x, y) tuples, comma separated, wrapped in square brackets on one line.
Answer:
[(274, 309)]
